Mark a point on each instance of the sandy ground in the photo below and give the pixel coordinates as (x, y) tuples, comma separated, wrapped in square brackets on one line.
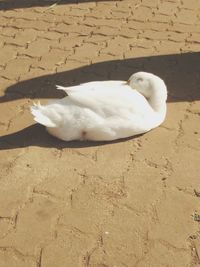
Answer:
[(133, 203)]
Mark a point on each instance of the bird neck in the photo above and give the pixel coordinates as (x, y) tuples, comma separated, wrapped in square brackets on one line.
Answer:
[(158, 98)]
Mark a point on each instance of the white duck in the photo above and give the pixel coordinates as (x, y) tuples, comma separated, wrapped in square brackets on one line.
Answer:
[(105, 110)]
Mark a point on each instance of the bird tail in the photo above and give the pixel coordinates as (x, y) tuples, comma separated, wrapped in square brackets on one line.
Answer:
[(42, 115)]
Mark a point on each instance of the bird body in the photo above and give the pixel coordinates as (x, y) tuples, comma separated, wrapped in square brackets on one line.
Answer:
[(102, 111)]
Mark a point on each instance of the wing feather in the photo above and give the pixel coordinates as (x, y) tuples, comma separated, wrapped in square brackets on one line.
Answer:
[(90, 86), (108, 98)]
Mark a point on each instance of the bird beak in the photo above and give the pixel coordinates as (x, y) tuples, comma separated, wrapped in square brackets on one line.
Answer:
[(128, 82)]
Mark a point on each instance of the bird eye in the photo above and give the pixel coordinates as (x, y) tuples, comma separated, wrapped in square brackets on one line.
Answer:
[(139, 79)]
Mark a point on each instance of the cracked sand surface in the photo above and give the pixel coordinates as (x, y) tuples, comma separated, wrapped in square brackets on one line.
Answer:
[(132, 203)]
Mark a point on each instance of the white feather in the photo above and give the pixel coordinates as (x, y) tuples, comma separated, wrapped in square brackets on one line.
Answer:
[(105, 110)]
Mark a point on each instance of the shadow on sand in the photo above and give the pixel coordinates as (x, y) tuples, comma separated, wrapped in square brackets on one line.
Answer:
[(180, 72), (36, 135), (14, 4)]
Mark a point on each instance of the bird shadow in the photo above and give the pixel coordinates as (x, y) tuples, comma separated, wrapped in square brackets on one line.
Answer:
[(36, 135), (15, 4), (180, 72)]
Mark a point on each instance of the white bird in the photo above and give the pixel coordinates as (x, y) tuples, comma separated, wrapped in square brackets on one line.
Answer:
[(105, 110)]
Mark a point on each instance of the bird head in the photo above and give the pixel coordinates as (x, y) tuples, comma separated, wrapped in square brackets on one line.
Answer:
[(145, 83)]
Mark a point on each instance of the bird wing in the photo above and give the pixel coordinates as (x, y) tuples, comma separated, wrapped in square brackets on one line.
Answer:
[(90, 86), (108, 98)]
